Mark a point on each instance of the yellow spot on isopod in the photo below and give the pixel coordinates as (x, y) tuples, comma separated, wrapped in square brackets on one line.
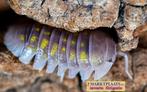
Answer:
[(22, 38), (54, 49), (83, 55), (82, 44), (33, 38), (37, 27), (32, 48), (72, 55), (73, 42), (47, 33), (44, 43), (63, 49), (64, 39)]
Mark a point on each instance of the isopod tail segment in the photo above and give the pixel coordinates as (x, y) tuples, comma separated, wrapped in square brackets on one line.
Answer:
[(86, 53)]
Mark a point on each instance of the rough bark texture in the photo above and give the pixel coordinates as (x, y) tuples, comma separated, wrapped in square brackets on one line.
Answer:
[(72, 15), (135, 17), (130, 18), (136, 2)]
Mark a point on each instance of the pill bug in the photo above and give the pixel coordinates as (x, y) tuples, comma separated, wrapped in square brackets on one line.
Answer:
[(86, 52)]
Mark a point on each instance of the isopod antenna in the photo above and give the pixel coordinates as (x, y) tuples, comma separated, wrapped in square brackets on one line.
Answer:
[(125, 55)]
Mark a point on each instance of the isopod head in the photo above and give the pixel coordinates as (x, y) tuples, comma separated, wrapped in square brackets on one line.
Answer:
[(102, 54)]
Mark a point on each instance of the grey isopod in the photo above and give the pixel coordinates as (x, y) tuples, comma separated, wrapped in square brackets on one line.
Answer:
[(83, 52)]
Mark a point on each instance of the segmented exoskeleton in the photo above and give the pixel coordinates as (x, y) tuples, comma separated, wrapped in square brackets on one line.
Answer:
[(83, 52)]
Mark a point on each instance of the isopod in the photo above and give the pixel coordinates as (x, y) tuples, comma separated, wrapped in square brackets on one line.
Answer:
[(86, 52)]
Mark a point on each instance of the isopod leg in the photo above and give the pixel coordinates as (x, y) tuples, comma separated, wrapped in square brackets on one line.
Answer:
[(126, 63)]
